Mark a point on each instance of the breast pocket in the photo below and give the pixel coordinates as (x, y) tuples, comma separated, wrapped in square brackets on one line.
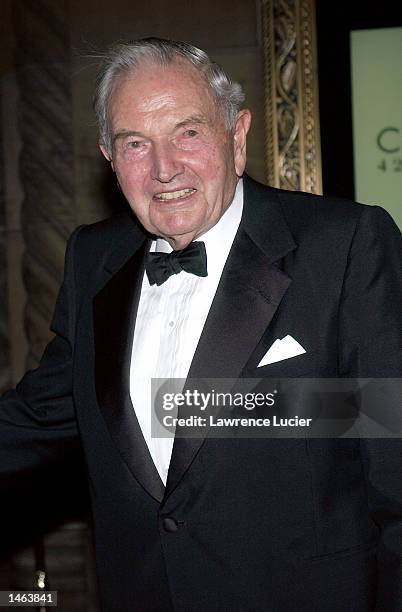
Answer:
[(304, 365)]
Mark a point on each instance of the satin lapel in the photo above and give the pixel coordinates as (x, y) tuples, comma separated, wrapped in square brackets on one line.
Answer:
[(249, 293), (115, 308)]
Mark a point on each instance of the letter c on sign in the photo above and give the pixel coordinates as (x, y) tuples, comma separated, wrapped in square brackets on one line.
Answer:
[(380, 140)]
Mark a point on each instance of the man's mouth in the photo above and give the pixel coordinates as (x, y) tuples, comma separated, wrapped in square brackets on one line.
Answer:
[(174, 195)]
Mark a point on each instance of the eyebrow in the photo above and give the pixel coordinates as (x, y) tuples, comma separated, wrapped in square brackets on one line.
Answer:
[(124, 133), (193, 119), (197, 119)]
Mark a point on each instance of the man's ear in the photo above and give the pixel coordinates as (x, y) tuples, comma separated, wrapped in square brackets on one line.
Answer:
[(106, 155), (241, 128)]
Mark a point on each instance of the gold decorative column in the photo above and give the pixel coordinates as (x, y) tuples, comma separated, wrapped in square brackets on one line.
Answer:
[(293, 157)]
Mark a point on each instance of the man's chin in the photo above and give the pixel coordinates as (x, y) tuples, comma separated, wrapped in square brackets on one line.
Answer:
[(180, 241), (178, 235)]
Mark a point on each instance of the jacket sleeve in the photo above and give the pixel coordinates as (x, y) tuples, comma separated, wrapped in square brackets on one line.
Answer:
[(370, 343), (37, 419)]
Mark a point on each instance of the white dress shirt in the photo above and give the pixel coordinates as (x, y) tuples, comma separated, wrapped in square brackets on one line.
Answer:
[(169, 323)]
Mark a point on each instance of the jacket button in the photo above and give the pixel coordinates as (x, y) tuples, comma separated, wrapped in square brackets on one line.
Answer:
[(169, 525)]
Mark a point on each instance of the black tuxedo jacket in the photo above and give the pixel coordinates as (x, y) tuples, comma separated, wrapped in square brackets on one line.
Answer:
[(244, 524)]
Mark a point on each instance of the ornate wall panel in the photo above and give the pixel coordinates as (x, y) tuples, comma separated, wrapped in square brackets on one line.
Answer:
[(291, 95), (48, 215), (46, 164), (5, 377)]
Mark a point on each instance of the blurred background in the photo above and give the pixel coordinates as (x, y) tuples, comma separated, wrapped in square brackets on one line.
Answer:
[(323, 121)]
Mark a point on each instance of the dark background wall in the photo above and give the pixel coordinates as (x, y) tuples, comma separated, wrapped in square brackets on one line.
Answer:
[(335, 21)]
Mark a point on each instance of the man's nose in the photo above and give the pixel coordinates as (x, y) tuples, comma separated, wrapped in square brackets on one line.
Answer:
[(165, 163)]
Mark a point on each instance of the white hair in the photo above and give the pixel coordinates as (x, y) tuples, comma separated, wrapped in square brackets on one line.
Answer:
[(126, 57)]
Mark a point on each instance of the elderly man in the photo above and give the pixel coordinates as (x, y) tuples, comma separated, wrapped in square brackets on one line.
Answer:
[(207, 275)]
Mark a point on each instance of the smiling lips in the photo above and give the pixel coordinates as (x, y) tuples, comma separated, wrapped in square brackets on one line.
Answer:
[(174, 195)]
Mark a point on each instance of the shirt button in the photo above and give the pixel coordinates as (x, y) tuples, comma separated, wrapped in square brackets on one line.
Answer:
[(169, 525), (171, 323)]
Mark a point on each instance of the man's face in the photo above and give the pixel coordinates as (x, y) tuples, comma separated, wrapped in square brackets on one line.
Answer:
[(175, 161)]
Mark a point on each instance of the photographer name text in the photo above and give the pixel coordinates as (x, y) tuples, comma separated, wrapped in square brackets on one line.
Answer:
[(214, 421)]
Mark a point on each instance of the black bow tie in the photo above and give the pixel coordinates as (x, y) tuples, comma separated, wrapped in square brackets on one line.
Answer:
[(160, 266)]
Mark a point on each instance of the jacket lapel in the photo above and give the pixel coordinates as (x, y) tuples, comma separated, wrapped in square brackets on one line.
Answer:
[(249, 293), (115, 308)]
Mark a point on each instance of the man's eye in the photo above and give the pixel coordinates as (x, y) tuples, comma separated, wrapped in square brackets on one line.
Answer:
[(190, 133), (134, 144)]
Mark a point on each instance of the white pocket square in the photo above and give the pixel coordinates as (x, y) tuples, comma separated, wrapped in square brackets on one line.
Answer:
[(282, 349)]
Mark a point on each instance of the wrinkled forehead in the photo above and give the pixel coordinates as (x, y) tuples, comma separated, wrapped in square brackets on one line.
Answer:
[(148, 85)]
